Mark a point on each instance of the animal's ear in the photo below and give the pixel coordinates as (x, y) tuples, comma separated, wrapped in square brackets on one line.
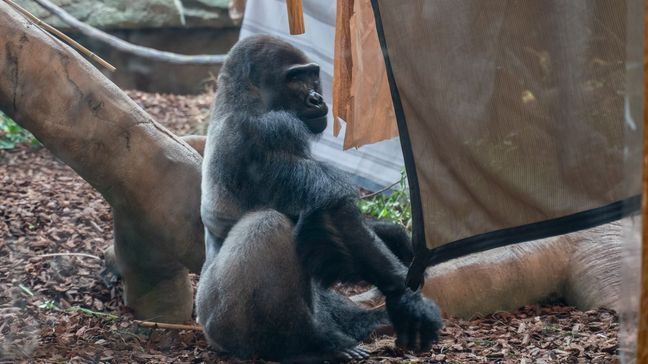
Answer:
[(252, 74), (248, 71), (300, 69)]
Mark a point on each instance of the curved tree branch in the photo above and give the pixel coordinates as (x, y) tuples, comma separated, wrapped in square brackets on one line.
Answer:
[(124, 46)]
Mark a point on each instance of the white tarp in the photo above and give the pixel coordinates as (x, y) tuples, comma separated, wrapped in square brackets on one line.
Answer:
[(373, 166)]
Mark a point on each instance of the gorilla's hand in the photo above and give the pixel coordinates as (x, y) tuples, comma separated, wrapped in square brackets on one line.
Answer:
[(416, 320)]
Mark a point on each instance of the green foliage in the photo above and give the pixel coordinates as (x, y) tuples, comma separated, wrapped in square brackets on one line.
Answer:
[(12, 135), (394, 206), (52, 306)]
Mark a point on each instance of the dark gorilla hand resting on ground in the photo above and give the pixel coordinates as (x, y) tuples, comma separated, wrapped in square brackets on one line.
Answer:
[(281, 227)]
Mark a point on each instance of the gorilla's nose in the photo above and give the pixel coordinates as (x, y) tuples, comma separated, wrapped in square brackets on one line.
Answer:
[(314, 100)]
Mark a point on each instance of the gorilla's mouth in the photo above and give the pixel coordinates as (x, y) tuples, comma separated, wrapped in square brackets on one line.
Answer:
[(316, 124), (315, 118), (315, 113)]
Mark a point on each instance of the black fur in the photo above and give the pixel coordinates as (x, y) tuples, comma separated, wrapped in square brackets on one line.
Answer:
[(395, 237), (267, 110)]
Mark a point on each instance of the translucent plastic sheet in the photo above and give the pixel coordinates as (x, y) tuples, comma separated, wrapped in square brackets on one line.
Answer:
[(634, 115), (372, 166)]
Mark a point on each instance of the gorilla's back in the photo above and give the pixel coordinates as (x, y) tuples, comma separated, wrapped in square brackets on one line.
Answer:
[(219, 208)]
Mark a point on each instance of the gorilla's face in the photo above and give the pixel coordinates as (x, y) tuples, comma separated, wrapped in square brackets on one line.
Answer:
[(297, 88)]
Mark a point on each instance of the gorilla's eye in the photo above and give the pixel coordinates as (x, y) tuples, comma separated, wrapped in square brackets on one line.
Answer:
[(296, 72)]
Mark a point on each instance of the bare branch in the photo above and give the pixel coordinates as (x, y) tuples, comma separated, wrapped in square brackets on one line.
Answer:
[(69, 255), (124, 46), (372, 194), (164, 325)]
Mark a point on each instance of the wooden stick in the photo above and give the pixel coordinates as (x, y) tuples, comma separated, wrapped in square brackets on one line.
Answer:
[(295, 17), (162, 325), (68, 255), (342, 65), (61, 36), (642, 334)]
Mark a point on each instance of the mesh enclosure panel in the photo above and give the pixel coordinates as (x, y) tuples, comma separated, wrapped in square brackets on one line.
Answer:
[(514, 110)]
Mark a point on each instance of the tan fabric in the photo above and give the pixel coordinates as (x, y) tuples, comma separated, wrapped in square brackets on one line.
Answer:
[(342, 65), (515, 109), (361, 94), (236, 10)]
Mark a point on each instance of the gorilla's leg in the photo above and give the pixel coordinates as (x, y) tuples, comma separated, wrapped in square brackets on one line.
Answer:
[(255, 300), (395, 237), (347, 316)]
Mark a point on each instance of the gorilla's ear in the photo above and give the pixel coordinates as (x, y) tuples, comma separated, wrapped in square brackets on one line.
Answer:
[(251, 80), (252, 73)]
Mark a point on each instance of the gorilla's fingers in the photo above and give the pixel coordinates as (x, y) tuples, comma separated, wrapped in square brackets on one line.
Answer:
[(403, 334), (357, 353), (343, 356), (426, 342), (428, 334), (414, 328), (363, 353)]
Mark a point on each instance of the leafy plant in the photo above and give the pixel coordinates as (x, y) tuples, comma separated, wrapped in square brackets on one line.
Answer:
[(394, 205), (12, 135)]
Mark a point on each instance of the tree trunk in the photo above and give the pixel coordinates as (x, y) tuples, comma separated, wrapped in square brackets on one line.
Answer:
[(148, 175)]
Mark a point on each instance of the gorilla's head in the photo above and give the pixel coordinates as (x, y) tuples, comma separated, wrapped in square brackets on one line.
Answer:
[(279, 75)]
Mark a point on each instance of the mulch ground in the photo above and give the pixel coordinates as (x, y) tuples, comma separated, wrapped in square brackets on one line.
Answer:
[(57, 307)]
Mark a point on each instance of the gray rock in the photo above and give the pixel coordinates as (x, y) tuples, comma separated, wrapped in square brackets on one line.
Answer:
[(138, 14)]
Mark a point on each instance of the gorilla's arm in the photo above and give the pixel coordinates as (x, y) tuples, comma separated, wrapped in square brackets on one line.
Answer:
[(334, 242), (296, 185), (280, 171)]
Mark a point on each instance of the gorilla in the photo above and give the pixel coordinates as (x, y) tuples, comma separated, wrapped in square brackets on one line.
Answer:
[(282, 227)]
